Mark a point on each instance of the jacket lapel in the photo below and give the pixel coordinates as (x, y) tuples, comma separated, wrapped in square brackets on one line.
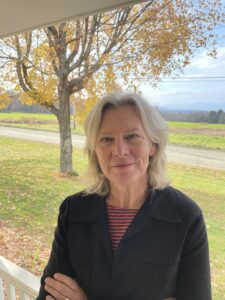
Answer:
[(142, 219), (101, 231), (163, 206), (158, 205), (92, 212)]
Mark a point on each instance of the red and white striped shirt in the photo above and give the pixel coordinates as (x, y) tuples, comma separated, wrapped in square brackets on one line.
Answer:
[(119, 219)]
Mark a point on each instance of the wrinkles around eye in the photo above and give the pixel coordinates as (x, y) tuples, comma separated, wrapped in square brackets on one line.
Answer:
[(105, 140)]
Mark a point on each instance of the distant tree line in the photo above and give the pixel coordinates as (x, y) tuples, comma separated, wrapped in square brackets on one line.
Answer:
[(17, 106), (215, 117)]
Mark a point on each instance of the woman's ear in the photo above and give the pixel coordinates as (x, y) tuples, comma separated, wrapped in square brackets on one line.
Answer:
[(153, 148)]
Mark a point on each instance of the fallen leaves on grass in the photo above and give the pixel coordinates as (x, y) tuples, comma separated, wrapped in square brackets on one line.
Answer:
[(22, 249)]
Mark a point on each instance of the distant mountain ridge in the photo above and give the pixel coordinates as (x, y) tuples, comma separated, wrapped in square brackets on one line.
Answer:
[(193, 107)]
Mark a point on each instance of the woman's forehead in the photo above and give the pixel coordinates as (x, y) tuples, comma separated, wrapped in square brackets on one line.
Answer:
[(122, 116), (126, 111)]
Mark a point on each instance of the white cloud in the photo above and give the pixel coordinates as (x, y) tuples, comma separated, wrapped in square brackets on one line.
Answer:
[(184, 90), (204, 65)]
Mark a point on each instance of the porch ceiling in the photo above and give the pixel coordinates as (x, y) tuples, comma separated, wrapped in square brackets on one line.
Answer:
[(17, 16)]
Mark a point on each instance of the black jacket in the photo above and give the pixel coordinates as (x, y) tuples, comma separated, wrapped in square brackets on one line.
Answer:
[(164, 252)]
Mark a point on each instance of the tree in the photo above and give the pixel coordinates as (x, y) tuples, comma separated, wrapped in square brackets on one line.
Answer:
[(134, 43), (5, 99)]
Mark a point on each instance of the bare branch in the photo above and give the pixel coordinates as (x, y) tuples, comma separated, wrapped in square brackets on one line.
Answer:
[(53, 109), (19, 68), (28, 37), (53, 31), (77, 43), (53, 38), (86, 52)]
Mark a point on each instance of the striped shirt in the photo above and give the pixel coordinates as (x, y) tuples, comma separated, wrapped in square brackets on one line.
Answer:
[(119, 219)]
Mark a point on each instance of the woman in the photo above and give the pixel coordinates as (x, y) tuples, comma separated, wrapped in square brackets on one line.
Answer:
[(130, 236)]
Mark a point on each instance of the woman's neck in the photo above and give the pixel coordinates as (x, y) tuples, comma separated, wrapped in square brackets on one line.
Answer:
[(127, 197)]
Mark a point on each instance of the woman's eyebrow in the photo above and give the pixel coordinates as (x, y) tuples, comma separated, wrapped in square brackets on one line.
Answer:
[(133, 129), (103, 133), (108, 132)]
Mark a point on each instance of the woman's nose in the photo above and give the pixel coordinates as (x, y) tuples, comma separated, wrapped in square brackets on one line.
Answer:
[(120, 148)]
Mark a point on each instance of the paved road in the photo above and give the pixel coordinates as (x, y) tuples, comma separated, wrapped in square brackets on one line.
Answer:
[(190, 156), (38, 135)]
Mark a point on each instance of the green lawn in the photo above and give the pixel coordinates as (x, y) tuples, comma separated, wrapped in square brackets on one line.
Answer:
[(198, 140), (30, 186), (31, 191), (190, 125), (200, 135), (47, 122), (207, 188), (31, 116)]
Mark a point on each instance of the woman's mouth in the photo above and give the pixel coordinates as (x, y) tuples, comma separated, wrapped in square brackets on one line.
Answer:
[(123, 165)]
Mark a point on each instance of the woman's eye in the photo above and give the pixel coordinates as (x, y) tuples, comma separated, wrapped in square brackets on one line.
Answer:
[(132, 136), (106, 140)]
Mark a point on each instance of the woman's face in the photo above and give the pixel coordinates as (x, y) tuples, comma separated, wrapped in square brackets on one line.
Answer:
[(123, 148)]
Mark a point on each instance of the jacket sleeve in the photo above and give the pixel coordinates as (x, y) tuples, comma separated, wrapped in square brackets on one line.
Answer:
[(59, 257), (194, 272)]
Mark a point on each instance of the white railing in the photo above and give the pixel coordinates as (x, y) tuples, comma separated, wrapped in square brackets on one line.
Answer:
[(17, 283)]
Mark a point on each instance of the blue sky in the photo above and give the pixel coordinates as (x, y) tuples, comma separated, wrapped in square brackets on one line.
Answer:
[(194, 93)]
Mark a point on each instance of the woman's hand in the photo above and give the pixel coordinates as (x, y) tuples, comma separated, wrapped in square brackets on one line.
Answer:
[(62, 287)]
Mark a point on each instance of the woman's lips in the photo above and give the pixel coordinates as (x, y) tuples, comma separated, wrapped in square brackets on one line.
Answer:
[(122, 165)]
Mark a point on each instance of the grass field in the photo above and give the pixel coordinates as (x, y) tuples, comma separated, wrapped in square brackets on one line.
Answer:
[(24, 116), (201, 135), (31, 190), (196, 125), (198, 140), (47, 122)]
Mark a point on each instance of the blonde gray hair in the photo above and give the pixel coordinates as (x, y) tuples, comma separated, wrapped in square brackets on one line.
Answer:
[(154, 125)]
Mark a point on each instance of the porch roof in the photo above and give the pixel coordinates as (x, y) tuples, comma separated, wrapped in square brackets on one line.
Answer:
[(24, 15)]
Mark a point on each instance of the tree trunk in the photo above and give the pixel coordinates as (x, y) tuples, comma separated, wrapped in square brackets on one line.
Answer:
[(66, 148)]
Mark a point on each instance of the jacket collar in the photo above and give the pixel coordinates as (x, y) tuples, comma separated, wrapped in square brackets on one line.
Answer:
[(159, 204), (92, 210), (163, 206)]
